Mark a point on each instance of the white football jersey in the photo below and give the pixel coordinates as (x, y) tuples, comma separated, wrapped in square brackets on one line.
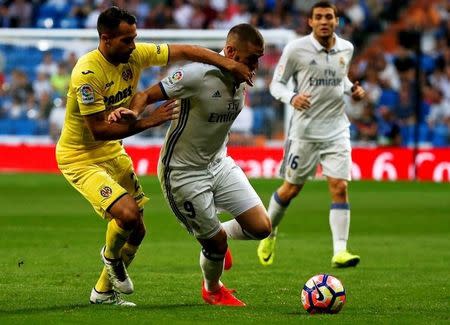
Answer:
[(210, 102), (323, 75)]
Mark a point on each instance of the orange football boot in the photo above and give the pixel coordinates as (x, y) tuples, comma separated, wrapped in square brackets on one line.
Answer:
[(221, 297)]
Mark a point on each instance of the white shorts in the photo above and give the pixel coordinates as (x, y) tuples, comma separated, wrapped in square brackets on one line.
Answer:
[(196, 195), (302, 157)]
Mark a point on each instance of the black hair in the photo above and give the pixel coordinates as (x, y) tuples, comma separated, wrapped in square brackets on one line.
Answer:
[(323, 4), (110, 19), (246, 33)]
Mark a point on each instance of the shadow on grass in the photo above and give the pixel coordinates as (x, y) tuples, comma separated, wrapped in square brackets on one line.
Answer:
[(66, 308)]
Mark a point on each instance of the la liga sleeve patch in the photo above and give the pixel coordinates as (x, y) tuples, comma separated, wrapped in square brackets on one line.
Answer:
[(175, 77), (87, 94)]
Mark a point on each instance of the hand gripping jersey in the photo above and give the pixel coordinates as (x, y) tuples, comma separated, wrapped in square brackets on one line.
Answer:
[(97, 85)]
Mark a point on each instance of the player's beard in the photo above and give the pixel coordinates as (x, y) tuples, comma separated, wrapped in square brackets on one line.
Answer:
[(122, 57), (125, 58)]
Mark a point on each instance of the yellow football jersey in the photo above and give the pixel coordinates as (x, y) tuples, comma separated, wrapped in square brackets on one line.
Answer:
[(97, 85)]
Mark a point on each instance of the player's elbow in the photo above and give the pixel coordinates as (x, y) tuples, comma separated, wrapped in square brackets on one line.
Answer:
[(274, 89), (98, 136), (101, 134), (98, 128)]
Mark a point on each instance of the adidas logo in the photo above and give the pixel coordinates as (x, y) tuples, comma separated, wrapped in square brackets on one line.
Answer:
[(217, 94), (313, 62)]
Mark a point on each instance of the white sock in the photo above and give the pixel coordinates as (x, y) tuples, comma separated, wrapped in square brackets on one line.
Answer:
[(340, 225), (212, 270), (276, 212), (235, 231)]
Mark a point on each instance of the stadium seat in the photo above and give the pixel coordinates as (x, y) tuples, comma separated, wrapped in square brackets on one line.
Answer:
[(69, 22), (47, 11), (427, 63), (440, 136), (24, 127), (57, 54), (5, 126), (43, 127), (258, 121), (407, 134), (424, 133), (389, 97)]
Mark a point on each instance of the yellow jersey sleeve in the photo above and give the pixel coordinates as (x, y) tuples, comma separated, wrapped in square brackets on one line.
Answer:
[(148, 54), (87, 85)]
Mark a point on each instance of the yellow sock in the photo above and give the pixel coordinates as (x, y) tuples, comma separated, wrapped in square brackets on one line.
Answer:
[(116, 237), (103, 284), (128, 253)]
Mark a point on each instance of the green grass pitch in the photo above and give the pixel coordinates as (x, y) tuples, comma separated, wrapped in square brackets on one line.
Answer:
[(50, 241)]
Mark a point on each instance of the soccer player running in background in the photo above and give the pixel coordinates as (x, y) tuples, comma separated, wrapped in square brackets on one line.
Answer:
[(319, 129), (90, 154), (197, 177)]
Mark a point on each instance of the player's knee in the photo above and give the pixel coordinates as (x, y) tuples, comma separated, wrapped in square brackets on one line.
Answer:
[(340, 189), (215, 251), (263, 231), (217, 245), (131, 217), (220, 246), (214, 254), (260, 230)]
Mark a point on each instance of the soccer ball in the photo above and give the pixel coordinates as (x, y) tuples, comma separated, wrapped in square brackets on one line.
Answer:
[(323, 294)]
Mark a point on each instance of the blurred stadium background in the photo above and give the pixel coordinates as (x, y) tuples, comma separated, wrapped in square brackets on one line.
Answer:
[(402, 58)]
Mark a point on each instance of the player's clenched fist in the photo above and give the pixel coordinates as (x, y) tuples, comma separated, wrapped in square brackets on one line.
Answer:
[(168, 111), (301, 101), (358, 92)]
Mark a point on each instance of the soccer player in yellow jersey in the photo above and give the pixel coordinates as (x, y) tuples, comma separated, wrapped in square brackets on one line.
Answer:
[(89, 152)]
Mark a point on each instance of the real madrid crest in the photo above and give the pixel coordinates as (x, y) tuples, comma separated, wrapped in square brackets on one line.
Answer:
[(342, 62)]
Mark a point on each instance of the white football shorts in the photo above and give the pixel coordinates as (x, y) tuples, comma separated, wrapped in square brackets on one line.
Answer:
[(196, 195), (301, 159)]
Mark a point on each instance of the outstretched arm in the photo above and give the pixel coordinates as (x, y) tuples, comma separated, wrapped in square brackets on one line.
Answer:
[(149, 96), (138, 104), (129, 116), (196, 53), (124, 122)]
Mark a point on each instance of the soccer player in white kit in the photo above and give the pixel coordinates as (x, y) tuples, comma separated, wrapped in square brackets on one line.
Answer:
[(196, 175), (319, 129)]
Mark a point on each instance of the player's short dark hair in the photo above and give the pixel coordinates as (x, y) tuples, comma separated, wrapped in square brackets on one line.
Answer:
[(246, 33), (323, 4), (110, 19)]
